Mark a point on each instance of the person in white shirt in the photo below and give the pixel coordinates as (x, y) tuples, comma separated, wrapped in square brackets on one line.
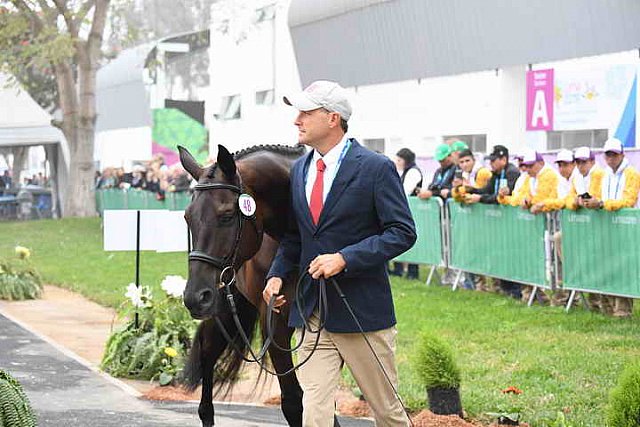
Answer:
[(411, 178)]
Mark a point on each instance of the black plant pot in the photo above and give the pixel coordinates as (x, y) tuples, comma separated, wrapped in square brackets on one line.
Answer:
[(506, 421), (445, 401)]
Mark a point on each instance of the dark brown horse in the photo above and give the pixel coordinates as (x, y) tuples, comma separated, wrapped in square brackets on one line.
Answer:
[(224, 236)]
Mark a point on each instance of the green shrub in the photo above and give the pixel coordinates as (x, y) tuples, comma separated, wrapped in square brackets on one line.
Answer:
[(435, 364), (156, 349), (624, 399), (19, 280), (15, 410)]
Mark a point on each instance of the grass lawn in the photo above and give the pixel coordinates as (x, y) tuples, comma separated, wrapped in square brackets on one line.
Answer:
[(562, 362), (68, 252)]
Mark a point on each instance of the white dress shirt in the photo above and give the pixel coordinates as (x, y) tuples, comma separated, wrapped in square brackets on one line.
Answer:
[(330, 160)]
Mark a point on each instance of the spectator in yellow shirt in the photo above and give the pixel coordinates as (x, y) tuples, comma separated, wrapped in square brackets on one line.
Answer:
[(620, 187), (542, 185), (474, 175), (589, 183)]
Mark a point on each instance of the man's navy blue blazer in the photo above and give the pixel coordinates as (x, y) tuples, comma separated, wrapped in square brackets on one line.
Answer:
[(367, 219)]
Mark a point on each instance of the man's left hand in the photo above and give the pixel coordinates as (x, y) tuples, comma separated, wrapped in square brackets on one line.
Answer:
[(327, 265)]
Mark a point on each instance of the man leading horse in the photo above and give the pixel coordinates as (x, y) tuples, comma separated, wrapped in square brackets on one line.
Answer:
[(350, 216)]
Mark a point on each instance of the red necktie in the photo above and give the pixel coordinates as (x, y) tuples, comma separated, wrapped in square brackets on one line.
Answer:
[(315, 205)]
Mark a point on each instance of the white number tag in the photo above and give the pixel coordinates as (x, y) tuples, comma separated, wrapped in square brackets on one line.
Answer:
[(247, 205)]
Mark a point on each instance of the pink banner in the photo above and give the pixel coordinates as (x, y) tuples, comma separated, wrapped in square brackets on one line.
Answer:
[(540, 100)]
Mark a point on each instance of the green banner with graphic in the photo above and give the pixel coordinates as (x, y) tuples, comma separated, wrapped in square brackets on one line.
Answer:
[(600, 251), (428, 247), (140, 199), (498, 241)]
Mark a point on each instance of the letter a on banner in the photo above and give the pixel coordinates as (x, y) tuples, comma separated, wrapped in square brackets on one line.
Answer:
[(539, 112), (540, 92)]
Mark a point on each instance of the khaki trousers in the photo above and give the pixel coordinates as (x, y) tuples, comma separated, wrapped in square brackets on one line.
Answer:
[(319, 377)]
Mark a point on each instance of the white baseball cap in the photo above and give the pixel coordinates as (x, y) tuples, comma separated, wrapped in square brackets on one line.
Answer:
[(321, 94), (584, 153), (529, 157), (613, 144), (564, 156)]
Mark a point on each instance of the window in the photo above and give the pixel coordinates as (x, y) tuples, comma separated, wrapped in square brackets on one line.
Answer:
[(230, 108), (476, 143), (375, 144), (569, 139), (265, 97)]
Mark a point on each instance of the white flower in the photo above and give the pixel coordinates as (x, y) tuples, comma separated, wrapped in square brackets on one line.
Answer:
[(139, 296), (174, 286)]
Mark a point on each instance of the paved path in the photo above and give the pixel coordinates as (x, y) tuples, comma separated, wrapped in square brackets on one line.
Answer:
[(65, 392)]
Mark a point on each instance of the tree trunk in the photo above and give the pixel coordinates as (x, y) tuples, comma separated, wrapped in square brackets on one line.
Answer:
[(80, 197)]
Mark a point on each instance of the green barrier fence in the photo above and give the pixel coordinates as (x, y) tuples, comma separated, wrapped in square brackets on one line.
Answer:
[(139, 199), (600, 251), (498, 241), (428, 247)]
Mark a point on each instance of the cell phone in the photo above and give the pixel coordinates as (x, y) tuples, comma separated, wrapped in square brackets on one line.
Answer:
[(458, 174)]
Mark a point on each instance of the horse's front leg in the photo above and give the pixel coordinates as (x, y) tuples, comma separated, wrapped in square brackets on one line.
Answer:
[(290, 391), (211, 347)]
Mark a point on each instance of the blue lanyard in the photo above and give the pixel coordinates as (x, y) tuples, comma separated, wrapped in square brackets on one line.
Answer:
[(343, 154), (441, 178), (496, 185)]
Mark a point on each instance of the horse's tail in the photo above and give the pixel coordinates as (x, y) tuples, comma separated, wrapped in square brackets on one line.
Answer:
[(210, 342)]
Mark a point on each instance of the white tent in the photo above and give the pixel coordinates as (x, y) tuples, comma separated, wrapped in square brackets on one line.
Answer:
[(23, 123)]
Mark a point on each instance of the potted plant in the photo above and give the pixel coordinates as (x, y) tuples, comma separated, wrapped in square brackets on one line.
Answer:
[(15, 410), (440, 375), (624, 400)]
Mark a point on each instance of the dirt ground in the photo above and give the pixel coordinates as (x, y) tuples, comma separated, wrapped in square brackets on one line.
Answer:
[(82, 326)]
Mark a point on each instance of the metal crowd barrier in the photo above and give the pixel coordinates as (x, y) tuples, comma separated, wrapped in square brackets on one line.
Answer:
[(583, 251), (430, 247), (139, 199), (499, 241), (600, 252)]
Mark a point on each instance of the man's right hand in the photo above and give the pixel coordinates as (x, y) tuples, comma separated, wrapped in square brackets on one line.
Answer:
[(425, 194), (504, 191), (273, 288)]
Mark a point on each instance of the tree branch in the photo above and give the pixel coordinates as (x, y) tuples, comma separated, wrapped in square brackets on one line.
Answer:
[(84, 10), (66, 14), (25, 8)]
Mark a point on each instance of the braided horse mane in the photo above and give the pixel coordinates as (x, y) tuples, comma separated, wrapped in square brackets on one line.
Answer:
[(285, 150)]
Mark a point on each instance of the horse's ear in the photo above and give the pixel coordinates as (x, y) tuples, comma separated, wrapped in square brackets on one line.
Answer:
[(190, 164), (226, 162)]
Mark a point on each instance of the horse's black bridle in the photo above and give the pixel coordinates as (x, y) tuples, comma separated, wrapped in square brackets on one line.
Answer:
[(228, 262)]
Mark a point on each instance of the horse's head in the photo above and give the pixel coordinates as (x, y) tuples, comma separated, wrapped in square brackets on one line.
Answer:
[(225, 232)]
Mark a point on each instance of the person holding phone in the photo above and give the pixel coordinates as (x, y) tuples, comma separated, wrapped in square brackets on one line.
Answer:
[(469, 175), (503, 178)]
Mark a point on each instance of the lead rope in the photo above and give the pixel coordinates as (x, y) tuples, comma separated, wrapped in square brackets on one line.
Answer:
[(322, 311), (364, 335)]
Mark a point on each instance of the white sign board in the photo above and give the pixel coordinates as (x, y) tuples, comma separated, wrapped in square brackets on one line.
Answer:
[(160, 230)]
